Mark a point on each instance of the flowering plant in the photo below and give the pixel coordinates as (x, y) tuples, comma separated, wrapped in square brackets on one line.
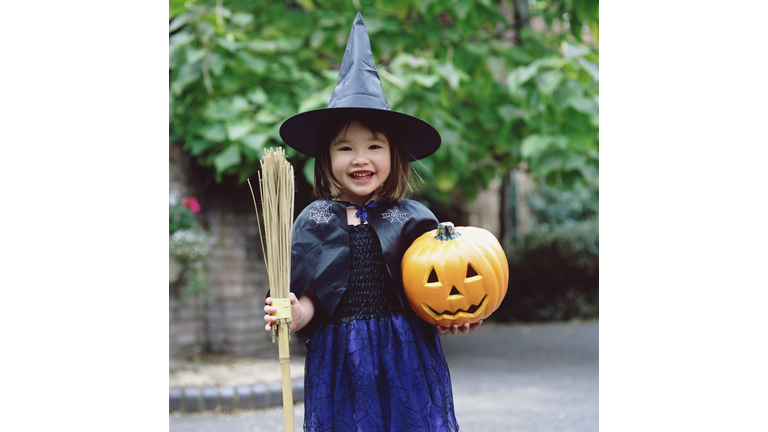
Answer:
[(189, 245)]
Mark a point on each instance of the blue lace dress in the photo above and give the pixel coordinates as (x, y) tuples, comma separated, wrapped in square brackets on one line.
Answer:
[(373, 365)]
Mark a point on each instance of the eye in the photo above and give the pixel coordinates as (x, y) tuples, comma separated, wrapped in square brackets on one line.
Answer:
[(375, 147), (344, 148), (472, 273), (433, 277)]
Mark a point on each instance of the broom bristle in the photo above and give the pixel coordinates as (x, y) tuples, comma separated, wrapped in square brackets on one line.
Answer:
[(277, 199)]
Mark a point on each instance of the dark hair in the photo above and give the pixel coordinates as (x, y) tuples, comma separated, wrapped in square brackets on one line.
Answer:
[(395, 187)]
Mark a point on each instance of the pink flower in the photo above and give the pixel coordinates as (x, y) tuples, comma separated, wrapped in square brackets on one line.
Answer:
[(192, 204)]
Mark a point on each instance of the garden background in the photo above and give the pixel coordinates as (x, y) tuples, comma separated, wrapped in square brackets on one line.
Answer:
[(512, 87)]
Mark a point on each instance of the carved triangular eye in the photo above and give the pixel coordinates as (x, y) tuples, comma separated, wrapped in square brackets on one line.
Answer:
[(433, 277), (471, 272)]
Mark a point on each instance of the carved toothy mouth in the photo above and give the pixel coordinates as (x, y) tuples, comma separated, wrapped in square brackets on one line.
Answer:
[(448, 314)]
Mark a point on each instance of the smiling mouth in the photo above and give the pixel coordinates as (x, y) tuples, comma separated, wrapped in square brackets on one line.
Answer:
[(361, 176), (448, 314)]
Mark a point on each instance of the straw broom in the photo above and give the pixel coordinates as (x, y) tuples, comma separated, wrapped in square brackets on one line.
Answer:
[(276, 183)]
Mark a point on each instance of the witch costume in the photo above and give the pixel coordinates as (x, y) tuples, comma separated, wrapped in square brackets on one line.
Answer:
[(372, 364)]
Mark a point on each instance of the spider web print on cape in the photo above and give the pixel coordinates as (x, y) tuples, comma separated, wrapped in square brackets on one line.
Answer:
[(321, 212), (394, 215), (374, 366)]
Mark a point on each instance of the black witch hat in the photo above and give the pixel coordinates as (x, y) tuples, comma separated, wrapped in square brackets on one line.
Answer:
[(358, 96)]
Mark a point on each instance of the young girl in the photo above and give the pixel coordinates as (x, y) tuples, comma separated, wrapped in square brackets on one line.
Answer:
[(371, 364)]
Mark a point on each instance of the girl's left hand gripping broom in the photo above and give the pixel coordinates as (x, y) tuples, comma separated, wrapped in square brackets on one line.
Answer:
[(276, 183)]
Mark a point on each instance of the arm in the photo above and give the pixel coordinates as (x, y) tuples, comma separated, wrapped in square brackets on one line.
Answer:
[(302, 310)]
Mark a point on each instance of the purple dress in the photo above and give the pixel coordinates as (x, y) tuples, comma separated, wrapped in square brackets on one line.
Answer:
[(374, 365)]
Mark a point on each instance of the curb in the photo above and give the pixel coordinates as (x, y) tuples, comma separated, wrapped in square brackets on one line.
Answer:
[(253, 396)]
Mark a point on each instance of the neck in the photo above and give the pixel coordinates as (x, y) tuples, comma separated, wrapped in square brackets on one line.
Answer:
[(375, 196)]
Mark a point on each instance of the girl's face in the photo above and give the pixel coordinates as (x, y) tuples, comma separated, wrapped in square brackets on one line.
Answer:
[(360, 162)]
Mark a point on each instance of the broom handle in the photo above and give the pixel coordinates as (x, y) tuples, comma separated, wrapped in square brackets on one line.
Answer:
[(285, 370)]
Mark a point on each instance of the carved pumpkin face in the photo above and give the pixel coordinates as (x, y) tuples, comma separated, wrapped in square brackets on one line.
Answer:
[(455, 275)]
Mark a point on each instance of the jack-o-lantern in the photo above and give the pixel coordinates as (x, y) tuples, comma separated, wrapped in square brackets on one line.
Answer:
[(455, 275)]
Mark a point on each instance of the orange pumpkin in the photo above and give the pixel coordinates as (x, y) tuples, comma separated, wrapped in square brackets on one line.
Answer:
[(455, 275)]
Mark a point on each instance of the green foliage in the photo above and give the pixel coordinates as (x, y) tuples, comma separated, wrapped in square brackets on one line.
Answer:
[(238, 71), (180, 218), (554, 274), (574, 14), (556, 206), (190, 248), (189, 245)]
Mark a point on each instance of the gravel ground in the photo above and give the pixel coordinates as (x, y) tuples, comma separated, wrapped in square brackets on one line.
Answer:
[(231, 371)]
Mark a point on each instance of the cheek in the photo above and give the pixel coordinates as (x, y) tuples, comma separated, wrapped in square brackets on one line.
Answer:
[(384, 166), (338, 167)]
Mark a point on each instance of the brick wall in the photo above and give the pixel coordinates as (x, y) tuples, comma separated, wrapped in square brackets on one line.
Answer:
[(230, 319), (238, 283)]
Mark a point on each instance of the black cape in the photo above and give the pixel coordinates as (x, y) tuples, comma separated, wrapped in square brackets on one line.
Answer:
[(320, 246)]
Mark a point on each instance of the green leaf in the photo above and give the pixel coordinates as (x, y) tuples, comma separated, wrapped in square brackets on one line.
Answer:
[(462, 8), (426, 80), (572, 51), (193, 54), (255, 141), (373, 24), (181, 38), (255, 64), (590, 174), (548, 81), (227, 43), (214, 132), (510, 112), (179, 21), (257, 96), (317, 100), (188, 73), (451, 74), (533, 145), (520, 76), (229, 157), (197, 147), (316, 39), (176, 7), (262, 46), (242, 19), (235, 131), (567, 92), (496, 65), (585, 105), (591, 68), (547, 163)]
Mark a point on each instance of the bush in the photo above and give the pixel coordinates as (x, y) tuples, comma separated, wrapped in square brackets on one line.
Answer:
[(180, 218), (554, 273), (554, 206)]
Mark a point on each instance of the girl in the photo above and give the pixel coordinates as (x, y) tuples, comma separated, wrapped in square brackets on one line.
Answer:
[(371, 364)]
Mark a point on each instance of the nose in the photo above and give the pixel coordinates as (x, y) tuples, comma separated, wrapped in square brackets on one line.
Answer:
[(360, 158)]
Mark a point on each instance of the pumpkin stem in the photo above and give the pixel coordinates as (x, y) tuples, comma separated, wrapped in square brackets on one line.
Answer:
[(446, 231)]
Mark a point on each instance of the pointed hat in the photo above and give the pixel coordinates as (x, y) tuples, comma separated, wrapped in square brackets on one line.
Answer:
[(358, 96)]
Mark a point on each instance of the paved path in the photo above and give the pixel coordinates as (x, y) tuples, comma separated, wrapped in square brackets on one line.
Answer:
[(539, 378)]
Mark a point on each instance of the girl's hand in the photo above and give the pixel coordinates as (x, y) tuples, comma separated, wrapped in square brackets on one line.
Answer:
[(296, 313), (455, 328)]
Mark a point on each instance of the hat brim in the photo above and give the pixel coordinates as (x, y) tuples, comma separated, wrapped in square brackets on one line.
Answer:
[(420, 139)]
